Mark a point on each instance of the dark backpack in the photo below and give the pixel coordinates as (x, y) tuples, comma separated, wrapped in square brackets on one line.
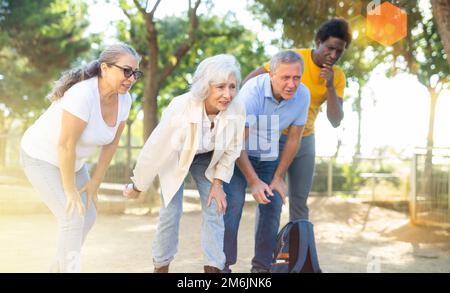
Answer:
[(296, 249)]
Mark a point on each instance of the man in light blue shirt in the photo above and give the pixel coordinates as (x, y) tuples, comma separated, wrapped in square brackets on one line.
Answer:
[(273, 101)]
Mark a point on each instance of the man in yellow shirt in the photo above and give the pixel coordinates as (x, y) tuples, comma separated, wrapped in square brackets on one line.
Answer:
[(325, 82)]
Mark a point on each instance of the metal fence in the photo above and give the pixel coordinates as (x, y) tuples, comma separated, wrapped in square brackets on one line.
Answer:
[(375, 179), (405, 182), (10, 158), (430, 188)]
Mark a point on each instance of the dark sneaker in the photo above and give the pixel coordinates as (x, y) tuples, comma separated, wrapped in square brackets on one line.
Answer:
[(257, 270), (163, 269), (210, 269)]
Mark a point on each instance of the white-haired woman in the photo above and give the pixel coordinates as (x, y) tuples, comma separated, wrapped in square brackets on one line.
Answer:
[(200, 132), (89, 108)]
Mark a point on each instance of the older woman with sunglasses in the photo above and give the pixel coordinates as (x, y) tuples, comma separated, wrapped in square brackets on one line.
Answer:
[(201, 133), (89, 108)]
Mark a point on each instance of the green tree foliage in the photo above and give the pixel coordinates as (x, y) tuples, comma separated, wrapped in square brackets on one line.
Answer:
[(420, 53), (196, 37), (217, 35), (213, 35), (38, 40), (421, 50), (441, 13), (300, 20), (425, 57), (41, 38)]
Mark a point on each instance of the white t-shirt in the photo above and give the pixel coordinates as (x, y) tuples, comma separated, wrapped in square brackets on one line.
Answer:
[(207, 135), (40, 141)]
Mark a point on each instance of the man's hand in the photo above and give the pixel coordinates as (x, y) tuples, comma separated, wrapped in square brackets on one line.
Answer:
[(327, 73), (279, 185), (259, 189)]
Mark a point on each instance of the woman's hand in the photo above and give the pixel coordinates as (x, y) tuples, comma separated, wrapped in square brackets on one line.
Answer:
[(216, 192), (130, 192), (91, 189), (74, 202)]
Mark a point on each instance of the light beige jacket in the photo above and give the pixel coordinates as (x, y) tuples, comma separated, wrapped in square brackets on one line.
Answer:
[(170, 149)]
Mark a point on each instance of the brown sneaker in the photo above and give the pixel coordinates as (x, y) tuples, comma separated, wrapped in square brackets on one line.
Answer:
[(210, 269), (163, 269)]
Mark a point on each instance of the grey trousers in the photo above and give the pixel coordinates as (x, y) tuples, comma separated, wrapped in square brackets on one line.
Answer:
[(72, 229), (300, 174)]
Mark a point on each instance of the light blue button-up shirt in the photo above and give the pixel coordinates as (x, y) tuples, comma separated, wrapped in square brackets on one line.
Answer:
[(266, 117)]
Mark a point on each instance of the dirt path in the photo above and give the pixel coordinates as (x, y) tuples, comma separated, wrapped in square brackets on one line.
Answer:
[(351, 237)]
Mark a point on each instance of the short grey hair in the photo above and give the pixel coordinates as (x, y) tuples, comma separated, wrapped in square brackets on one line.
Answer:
[(286, 57), (214, 70)]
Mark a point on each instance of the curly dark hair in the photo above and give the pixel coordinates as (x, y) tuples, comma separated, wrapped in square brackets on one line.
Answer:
[(337, 28)]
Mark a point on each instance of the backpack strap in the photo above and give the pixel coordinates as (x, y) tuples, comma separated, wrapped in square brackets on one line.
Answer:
[(313, 250), (284, 233), (302, 245), (283, 237)]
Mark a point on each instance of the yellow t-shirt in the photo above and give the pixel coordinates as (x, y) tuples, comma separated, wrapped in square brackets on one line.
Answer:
[(316, 86)]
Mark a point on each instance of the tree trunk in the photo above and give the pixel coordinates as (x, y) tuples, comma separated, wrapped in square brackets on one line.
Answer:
[(2, 140), (150, 105), (357, 156), (430, 141), (359, 112), (157, 74), (151, 87), (129, 148), (428, 168), (441, 13)]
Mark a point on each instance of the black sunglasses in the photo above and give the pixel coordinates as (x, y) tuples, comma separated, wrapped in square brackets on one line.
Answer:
[(128, 72)]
